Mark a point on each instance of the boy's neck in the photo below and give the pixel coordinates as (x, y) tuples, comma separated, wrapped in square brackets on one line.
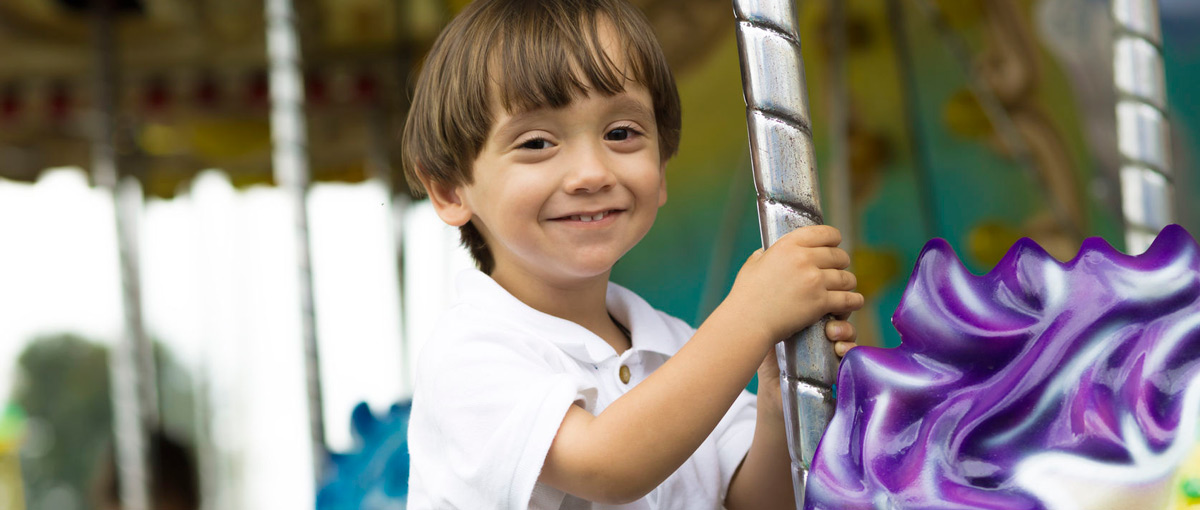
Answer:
[(580, 301)]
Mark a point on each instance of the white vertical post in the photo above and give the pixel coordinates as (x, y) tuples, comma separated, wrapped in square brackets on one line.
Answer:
[(289, 141), (131, 361)]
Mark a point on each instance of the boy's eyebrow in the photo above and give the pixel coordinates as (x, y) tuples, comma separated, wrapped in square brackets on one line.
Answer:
[(624, 103), (621, 103), (514, 125)]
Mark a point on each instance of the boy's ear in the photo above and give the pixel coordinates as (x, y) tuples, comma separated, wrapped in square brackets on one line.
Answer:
[(447, 201)]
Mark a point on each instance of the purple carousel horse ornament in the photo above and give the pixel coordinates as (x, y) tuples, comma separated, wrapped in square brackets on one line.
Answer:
[(1040, 385)]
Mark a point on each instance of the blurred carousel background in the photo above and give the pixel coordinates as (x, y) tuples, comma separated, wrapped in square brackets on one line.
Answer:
[(205, 237)]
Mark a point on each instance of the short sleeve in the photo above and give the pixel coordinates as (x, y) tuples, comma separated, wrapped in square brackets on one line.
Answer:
[(487, 405), (733, 435)]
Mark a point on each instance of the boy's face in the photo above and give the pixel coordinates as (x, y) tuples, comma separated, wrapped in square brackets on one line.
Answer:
[(561, 194)]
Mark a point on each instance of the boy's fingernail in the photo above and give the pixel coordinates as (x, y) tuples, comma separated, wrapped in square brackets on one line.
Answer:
[(836, 330)]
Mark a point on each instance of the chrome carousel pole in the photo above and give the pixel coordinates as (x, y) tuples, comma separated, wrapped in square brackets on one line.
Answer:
[(1143, 136), (131, 364), (289, 142), (785, 176)]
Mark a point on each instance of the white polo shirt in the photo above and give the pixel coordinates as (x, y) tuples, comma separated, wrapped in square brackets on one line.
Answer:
[(495, 381)]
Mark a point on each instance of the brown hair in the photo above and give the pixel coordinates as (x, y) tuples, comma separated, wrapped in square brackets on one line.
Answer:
[(540, 50)]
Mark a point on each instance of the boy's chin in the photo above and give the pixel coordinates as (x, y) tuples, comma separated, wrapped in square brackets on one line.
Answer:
[(588, 271), (565, 267), (558, 272), (586, 268)]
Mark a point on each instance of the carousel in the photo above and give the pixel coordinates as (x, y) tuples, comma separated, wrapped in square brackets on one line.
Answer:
[(980, 122)]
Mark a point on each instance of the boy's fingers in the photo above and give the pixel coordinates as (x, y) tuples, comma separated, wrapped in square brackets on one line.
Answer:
[(843, 301), (816, 235), (841, 348), (840, 331), (835, 258), (822, 257), (837, 279)]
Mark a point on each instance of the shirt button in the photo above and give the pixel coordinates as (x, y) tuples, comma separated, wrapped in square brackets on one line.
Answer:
[(624, 373)]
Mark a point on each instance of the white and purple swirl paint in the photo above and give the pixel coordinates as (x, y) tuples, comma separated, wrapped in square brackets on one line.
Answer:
[(1040, 385)]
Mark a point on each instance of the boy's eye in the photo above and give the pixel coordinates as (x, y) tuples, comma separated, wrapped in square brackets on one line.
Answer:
[(619, 134), (536, 144)]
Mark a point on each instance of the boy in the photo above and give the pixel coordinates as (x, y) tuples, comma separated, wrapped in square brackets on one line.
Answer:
[(541, 128)]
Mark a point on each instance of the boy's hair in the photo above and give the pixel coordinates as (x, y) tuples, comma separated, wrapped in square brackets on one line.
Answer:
[(535, 53)]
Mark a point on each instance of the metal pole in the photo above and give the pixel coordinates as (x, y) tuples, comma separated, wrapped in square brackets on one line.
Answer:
[(1143, 135), (289, 141), (133, 402), (785, 176)]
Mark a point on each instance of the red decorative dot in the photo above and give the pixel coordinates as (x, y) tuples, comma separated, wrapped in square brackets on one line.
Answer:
[(208, 93), (260, 89), (59, 102), (366, 87), (10, 102), (157, 95), (316, 89)]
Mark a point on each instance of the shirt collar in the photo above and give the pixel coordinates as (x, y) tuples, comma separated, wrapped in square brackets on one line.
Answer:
[(647, 328)]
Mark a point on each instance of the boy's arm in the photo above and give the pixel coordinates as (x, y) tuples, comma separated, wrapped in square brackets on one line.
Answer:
[(764, 479), (646, 434)]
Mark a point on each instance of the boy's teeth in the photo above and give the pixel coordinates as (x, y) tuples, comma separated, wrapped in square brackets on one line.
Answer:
[(585, 218)]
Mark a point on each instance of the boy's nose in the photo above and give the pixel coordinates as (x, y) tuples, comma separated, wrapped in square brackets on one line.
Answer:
[(589, 173)]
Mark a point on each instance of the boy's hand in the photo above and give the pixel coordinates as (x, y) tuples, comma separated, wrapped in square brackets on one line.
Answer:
[(838, 330), (842, 334), (795, 282)]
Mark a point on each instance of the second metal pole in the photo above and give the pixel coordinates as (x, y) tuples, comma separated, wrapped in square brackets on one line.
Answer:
[(1143, 134)]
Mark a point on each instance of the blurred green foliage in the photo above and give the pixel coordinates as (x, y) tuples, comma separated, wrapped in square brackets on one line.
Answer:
[(63, 387)]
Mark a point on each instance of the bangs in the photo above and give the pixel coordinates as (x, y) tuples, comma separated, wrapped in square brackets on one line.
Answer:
[(522, 55), (550, 58)]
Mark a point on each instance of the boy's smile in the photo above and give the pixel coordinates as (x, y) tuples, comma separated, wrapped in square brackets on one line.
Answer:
[(587, 217)]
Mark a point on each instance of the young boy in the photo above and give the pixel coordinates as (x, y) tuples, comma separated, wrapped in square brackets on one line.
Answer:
[(542, 128)]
